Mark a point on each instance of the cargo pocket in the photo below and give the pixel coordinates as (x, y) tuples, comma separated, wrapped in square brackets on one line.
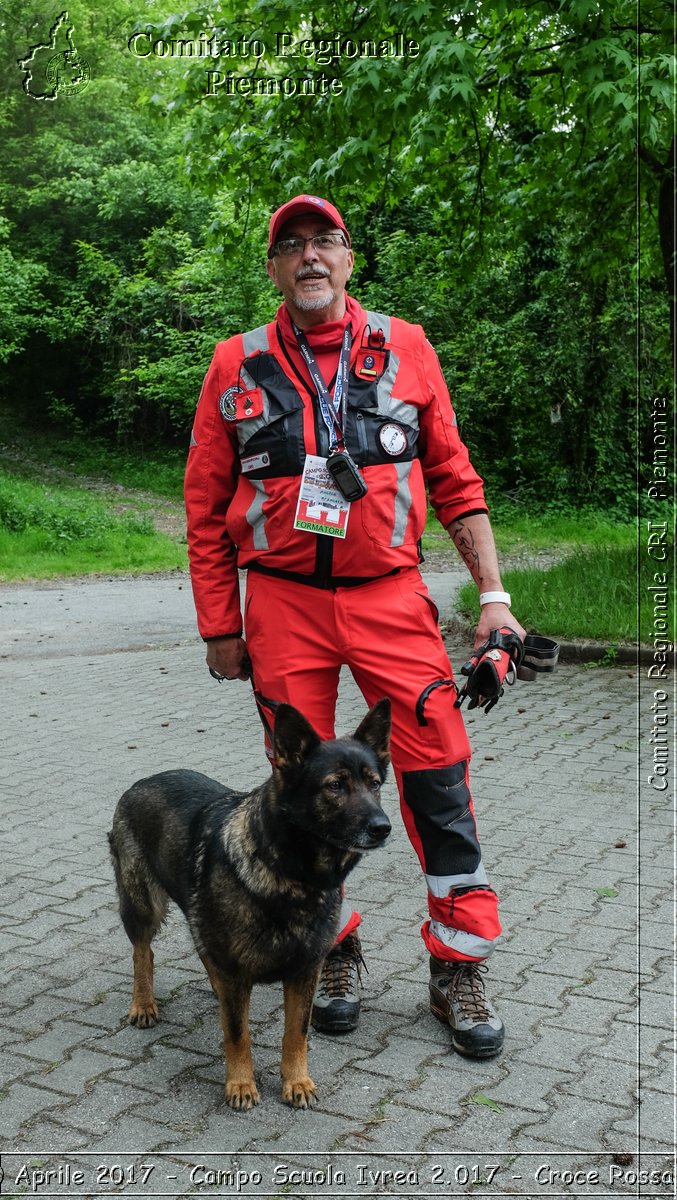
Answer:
[(421, 719), (276, 449)]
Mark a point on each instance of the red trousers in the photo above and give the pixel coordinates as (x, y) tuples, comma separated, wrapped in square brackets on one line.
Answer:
[(387, 634)]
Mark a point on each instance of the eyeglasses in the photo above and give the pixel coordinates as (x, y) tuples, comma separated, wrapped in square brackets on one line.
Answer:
[(286, 247)]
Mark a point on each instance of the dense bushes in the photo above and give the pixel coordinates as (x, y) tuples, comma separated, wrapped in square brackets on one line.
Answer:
[(541, 360)]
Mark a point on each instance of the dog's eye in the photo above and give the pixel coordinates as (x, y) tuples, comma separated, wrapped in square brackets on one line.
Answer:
[(335, 784), (374, 784)]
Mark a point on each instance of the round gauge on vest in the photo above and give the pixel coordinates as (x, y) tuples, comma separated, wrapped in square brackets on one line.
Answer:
[(392, 438)]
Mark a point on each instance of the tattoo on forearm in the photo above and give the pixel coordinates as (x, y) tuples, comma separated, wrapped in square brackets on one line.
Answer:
[(465, 544)]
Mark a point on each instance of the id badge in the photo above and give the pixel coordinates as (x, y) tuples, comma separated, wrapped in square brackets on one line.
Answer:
[(321, 508)]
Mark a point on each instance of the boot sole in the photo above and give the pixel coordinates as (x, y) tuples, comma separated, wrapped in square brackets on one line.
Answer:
[(481, 1052), (341, 1022), (334, 1027)]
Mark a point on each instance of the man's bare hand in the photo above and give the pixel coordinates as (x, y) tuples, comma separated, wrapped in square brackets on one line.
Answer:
[(228, 657), (495, 616)]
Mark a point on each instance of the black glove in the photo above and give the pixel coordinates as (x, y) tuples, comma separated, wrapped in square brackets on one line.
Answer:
[(494, 663), (503, 658)]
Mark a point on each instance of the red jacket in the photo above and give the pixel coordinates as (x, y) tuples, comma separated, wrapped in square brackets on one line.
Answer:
[(258, 417)]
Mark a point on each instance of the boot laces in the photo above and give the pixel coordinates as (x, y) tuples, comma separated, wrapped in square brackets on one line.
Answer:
[(339, 965), (467, 986)]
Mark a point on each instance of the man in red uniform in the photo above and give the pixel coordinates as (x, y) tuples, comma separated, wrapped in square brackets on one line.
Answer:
[(316, 441)]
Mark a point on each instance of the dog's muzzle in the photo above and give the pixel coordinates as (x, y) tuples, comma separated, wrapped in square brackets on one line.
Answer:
[(375, 833)]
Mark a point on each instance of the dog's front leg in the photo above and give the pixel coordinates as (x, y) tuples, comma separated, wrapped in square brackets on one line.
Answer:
[(144, 1010), (298, 1088), (233, 996)]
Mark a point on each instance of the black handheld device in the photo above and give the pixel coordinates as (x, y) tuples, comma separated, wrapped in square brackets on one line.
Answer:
[(346, 475)]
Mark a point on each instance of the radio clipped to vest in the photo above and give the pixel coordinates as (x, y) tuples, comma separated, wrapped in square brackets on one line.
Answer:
[(346, 476), (371, 356)]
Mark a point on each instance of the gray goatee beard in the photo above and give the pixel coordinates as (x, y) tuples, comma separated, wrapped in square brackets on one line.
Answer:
[(313, 303)]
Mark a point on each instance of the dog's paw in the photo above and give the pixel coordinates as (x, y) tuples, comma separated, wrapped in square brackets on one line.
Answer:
[(299, 1093), (144, 1015), (242, 1096)]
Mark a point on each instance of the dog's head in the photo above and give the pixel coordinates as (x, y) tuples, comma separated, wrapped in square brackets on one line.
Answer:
[(332, 789)]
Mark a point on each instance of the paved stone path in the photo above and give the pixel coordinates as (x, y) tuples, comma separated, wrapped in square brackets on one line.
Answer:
[(102, 683)]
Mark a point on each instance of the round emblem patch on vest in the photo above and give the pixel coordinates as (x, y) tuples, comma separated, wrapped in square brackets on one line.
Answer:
[(392, 438), (227, 403)]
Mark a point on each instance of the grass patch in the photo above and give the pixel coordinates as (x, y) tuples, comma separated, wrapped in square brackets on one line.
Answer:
[(515, 532), (80, 452), (158, 471), (48, 531), (592, 594), (518, 532)]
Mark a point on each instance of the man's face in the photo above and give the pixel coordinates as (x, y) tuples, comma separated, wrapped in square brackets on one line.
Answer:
[(312, 281)]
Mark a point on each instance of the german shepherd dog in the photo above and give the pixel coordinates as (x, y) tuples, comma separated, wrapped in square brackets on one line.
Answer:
[(258, 877)]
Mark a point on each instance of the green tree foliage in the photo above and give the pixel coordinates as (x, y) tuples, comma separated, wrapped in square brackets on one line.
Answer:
[(510, 115), (498, 184), (112, 281), (540, 359), (541, 137)]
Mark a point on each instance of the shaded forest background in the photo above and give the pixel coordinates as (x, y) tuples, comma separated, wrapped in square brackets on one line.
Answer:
[(512, 189)]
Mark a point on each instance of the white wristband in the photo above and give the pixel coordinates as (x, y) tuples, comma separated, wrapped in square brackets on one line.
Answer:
[(495, 598)]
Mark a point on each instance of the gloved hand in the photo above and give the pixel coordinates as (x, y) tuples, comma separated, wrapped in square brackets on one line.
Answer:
[(494, 663), (503, 658)]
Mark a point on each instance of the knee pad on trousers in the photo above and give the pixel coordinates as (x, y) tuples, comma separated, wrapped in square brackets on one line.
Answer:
[(439, 801)]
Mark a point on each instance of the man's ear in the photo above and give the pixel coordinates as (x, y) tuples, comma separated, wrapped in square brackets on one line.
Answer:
[(270, 268), (375, 731), (294, 738)]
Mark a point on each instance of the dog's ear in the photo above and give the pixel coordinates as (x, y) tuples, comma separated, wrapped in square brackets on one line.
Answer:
[(375, 731), (294, 738)]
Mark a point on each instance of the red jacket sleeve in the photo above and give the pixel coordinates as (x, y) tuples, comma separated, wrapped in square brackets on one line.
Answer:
[(210, 483), (454, 487)]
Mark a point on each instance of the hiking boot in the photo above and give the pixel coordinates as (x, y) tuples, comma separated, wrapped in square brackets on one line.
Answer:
[(336, 1006), (457, 997)]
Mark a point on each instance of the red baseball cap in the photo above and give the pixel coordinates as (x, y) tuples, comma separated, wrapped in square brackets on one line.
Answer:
[(304, 204)]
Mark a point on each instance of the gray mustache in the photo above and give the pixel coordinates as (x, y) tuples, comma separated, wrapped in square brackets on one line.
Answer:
[(306, 272)]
